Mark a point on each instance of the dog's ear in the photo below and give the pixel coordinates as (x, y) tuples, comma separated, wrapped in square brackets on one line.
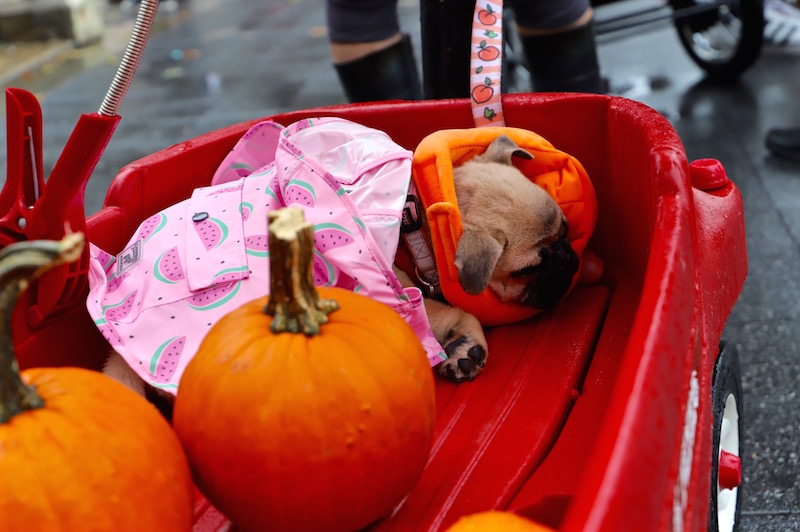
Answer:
[(477, 254), (502, 149)]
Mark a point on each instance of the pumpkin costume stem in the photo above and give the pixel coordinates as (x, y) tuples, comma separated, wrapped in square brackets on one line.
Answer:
[(19, 263), (293, 300)]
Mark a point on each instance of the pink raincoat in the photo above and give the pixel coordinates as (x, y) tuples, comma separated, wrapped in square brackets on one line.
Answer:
[(192, 263)]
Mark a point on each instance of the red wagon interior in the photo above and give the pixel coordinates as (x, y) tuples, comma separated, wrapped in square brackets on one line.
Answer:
[(579, 408)]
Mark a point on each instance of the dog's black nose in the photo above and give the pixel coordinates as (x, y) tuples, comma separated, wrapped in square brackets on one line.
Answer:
[(559, 265)]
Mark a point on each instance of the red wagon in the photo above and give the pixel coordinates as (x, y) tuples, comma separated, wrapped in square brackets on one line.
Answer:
[(616, 410)]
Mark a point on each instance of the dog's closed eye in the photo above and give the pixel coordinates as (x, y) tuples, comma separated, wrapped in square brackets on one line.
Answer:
[(562, 231), (528, 271)]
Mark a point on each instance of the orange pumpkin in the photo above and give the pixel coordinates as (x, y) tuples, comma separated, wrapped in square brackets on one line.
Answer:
[(79, 451), (314, 419), (496, 521)]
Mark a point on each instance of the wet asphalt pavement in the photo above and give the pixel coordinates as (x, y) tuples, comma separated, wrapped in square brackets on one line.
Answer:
[(208, 66)]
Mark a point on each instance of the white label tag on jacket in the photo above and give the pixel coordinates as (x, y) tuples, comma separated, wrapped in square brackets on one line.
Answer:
[(129, 257)]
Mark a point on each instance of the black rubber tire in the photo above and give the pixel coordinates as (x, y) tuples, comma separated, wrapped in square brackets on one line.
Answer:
[(748, 47), (727, 381)]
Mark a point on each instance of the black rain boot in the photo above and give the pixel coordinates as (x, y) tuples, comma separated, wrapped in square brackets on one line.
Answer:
[(388, 74), (565, 61)]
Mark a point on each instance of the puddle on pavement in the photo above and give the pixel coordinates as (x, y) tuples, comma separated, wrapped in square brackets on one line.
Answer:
[(638, 87)]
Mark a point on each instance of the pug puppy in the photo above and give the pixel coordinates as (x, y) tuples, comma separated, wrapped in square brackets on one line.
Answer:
[(514, 242)]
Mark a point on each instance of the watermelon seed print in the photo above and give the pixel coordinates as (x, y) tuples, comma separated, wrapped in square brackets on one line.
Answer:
[(245, 209), (212, 232), (165, 359), (391, 279), (273, 190), (167, 268), (214, 297), (115, 280), (324, 272), (118, 311), (257, 245), (330, 235), (152, 225), (300, 192), (106, 259), (241, 169), (108, 332), (302, 124), (221, 292)]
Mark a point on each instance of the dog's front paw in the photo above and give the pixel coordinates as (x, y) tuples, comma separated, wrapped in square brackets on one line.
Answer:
[(463, 340), (465, 358)]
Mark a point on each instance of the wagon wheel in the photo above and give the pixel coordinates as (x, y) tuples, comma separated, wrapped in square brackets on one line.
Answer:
[(726, 465), (723, 37)]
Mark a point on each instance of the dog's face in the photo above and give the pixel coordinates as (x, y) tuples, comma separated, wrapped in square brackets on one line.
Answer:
[(514, 234)]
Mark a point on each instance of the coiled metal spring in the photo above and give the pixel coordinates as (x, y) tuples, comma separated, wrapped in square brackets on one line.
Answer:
[(130, 60)]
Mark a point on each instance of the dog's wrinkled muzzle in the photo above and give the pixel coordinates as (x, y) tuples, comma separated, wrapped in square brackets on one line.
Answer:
[(559, 265)]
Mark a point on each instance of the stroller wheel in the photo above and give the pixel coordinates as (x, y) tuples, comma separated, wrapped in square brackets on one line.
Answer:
[(723, 37)]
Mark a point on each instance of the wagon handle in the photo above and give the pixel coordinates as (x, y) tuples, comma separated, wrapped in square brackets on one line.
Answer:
[(58, 207)]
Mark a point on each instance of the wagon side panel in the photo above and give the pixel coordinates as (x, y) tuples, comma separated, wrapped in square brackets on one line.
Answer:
[(637, 446)]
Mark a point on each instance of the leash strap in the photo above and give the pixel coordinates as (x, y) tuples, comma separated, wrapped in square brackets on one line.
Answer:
[(414, 238), (486, 63)]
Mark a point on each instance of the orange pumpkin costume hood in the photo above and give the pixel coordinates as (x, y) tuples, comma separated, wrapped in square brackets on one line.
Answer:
[(560, 174)]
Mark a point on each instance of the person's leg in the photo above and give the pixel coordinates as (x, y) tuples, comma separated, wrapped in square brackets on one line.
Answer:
[(559, 43), (373, 59), (784, 142)]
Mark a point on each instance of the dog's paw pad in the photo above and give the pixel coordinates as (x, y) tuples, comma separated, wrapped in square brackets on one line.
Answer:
[(465, 359), (477, 354), (465, 365)]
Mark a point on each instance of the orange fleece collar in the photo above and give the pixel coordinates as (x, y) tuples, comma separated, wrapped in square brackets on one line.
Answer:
[(560, 174)]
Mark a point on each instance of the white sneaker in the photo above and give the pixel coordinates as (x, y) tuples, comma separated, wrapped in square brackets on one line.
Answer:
[(781, 25)]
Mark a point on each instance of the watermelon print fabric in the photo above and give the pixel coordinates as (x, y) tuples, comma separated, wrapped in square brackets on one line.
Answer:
[(190, 264)]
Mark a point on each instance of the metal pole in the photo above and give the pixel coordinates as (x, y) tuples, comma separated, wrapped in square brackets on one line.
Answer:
[(446, 27)]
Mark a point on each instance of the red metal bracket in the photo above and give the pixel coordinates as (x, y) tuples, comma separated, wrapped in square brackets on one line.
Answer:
[(34, 210), (24, 182)]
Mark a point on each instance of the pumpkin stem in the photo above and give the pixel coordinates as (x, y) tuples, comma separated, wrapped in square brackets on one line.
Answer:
[(20, 263), (293, 299)]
